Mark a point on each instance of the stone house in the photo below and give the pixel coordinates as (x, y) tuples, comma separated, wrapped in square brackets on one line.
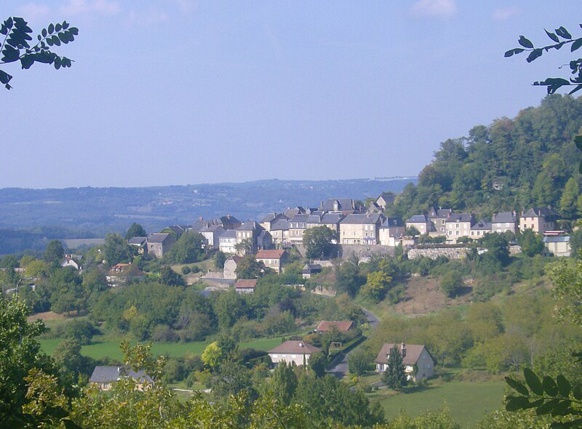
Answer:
[(438, 217), (159, 243), (421, 223), (273, 259), (539, 219), (479, 229), (361, 228), (211, 234), (227, 242), (297, 227), (504, 221), (459, 225), (391, 231)]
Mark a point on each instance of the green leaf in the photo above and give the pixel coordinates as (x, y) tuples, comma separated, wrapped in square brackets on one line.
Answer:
[(512, 52), (536, 53), (552, 36), (27, 61), (4, 77), (550, 386), (10, 54), (563, 33), (517, 386), (74, 31), (516, 403), (564, 385), (525, 42), (576, 45), (533, 382), (547, 408), (562, 408), (58, 27), (57, 62), (65, 25), (44, 32), (577, 390), (56, 40), (63, 38), (51, 29)]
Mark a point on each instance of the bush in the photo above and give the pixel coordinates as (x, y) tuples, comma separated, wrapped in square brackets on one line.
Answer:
[(186, 269)]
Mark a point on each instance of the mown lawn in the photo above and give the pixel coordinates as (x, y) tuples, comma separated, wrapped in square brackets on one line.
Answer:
[(101, 348), (467, 401)]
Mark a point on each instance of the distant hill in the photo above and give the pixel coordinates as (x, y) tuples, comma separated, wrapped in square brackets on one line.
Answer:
[(92, 212)]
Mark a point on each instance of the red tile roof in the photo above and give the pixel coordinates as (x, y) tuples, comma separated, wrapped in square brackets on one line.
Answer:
[(269, 254), (246, 284)]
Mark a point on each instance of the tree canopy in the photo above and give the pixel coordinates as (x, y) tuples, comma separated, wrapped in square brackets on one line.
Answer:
[(16, 47)]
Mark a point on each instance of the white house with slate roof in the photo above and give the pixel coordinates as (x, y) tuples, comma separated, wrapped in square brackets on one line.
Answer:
[(297, 352), (504, 221), (459, 225), (418, 362), (104, 377)]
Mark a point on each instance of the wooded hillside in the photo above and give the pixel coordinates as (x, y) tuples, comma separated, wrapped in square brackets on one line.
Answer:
[(512, 164)]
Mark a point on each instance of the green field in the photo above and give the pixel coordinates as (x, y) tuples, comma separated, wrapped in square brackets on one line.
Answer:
[(467, 401), (101, 348)]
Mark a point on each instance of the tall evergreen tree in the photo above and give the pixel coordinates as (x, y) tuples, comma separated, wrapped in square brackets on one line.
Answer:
[(395, 377)]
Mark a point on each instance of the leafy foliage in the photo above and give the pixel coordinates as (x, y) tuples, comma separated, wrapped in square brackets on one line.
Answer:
[(319, 242), (547, 396), (16, 47)]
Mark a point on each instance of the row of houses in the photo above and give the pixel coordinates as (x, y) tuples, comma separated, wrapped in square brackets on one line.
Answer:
[(444, 222)]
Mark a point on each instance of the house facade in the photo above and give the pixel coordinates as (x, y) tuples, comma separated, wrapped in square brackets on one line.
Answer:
[(417, 361), (459, 225), (539, 219), (391, 231), (293, 352), (504, 221), (421, 223), (359, 228), (159, 243), (272, 259)]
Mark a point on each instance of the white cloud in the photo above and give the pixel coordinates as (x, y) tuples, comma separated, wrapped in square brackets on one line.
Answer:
[(435, 7), (506, 13), (85, 7)]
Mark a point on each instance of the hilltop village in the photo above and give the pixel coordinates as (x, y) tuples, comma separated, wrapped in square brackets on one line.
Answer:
[(357, 229)]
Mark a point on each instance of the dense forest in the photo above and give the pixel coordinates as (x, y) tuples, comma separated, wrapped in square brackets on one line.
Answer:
[(512, 164)]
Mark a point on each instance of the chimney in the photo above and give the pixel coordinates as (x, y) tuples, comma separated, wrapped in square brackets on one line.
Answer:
[(403, 349)]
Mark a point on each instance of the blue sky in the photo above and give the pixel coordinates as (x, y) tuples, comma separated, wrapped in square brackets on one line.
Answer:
[(176, 92)]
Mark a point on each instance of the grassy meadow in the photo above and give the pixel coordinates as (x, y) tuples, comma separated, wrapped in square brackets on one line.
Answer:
[(101, 347), (468, 402)]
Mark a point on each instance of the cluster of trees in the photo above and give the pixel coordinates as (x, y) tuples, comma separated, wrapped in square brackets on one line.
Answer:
[(34, 393), (513, 164), (492, 337)]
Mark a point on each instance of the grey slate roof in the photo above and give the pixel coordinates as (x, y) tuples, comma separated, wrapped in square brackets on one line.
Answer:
[(417, 219), (461, 217), (111, 374), (413, 352), (280, 224), (229, 233), (342, 203), (361, 219), (137, 241), (158, 237), (482, 225), (503, 217), (545, 212)]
